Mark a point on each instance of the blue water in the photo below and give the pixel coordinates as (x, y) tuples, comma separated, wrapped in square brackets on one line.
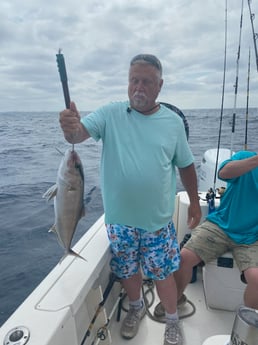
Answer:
[(28, 167)]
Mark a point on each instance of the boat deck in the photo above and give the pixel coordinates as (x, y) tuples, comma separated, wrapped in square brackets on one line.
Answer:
[(67, 306), (202, 324)]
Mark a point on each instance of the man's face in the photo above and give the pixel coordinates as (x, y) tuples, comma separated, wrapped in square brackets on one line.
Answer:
[(144, 86)]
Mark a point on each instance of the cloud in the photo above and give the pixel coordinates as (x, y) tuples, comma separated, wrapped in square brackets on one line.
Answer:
[(98, 39)]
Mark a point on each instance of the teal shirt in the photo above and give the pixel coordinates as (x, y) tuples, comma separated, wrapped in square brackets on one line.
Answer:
[(139, 156), (237, 213)]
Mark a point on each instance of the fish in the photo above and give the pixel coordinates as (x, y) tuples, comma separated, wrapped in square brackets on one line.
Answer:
[(67, 193)]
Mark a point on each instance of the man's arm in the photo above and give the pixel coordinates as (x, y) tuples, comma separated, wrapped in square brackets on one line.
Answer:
[(74, 131), (189, 180), (238, 167)]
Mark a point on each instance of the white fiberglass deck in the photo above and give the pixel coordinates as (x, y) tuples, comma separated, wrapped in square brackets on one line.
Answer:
[(204, 323), (59, 311)]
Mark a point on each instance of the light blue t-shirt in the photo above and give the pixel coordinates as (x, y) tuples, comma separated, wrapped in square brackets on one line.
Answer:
[(139, 156), (237, 213)]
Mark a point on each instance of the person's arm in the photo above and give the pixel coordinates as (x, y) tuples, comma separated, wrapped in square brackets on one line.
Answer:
[(189, 180), (238, 167), (74, 131)]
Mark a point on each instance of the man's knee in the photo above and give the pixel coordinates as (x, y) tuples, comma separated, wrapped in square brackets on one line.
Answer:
[(189, 258), (250, 276)]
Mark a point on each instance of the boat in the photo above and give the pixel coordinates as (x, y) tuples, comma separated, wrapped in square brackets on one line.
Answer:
[(81, 302)]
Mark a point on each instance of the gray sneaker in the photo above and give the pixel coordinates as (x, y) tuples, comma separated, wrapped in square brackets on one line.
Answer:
[(173, 334), (131, 322), (159, 310)]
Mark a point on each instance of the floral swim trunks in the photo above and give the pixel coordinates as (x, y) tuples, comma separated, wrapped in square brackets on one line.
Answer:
[(157, 252)]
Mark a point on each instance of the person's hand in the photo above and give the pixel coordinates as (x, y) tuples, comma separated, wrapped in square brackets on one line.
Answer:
[(194, 215), (70, 122)]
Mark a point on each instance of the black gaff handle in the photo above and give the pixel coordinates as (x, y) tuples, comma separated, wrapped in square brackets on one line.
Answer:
[(63, 76)]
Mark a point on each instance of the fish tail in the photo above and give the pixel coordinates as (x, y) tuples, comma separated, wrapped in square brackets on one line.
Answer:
[(71, 252)]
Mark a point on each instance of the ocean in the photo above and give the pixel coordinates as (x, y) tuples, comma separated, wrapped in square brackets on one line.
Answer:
[(29, 160)]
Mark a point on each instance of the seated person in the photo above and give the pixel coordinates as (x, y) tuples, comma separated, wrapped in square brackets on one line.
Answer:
[(232, 226)]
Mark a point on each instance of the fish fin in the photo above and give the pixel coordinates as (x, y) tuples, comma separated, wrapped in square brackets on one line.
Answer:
[(83, 212), (53, 228), (71, 252), (59, 151), (62, 258), (50, 193)]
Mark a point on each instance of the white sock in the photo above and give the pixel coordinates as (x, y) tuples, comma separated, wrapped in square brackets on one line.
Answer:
[(138, 304), (172, 317)]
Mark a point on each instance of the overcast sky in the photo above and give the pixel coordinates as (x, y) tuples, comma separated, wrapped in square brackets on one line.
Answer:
[(98, 39)]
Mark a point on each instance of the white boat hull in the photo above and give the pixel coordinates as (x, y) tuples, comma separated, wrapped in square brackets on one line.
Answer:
[(61, 309), (68, 306)]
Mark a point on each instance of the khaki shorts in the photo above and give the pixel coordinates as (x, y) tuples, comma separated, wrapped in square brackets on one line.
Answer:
[(209, 242)]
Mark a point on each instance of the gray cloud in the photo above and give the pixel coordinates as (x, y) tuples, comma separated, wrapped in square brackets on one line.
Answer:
[(98, 39)]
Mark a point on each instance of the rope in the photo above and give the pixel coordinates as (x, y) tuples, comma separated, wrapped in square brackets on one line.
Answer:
[(149, 302)]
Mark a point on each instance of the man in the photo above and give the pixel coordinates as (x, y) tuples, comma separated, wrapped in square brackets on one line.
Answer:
[(232, 226), (143, 142)]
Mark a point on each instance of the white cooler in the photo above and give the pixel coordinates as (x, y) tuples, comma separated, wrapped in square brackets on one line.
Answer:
[(222, 285), (182, 203)]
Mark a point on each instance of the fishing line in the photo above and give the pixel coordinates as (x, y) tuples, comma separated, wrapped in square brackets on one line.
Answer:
[(223, 92)]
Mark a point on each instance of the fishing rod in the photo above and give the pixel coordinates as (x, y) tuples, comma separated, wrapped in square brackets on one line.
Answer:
[(63, 77), (236, 83), (255, 35), (223, 94), (247, 100)]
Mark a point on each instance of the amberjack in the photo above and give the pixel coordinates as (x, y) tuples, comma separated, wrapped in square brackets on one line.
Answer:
[(68, 199)]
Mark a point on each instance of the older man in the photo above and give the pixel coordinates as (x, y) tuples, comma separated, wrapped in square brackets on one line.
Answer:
[(143, 143)]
